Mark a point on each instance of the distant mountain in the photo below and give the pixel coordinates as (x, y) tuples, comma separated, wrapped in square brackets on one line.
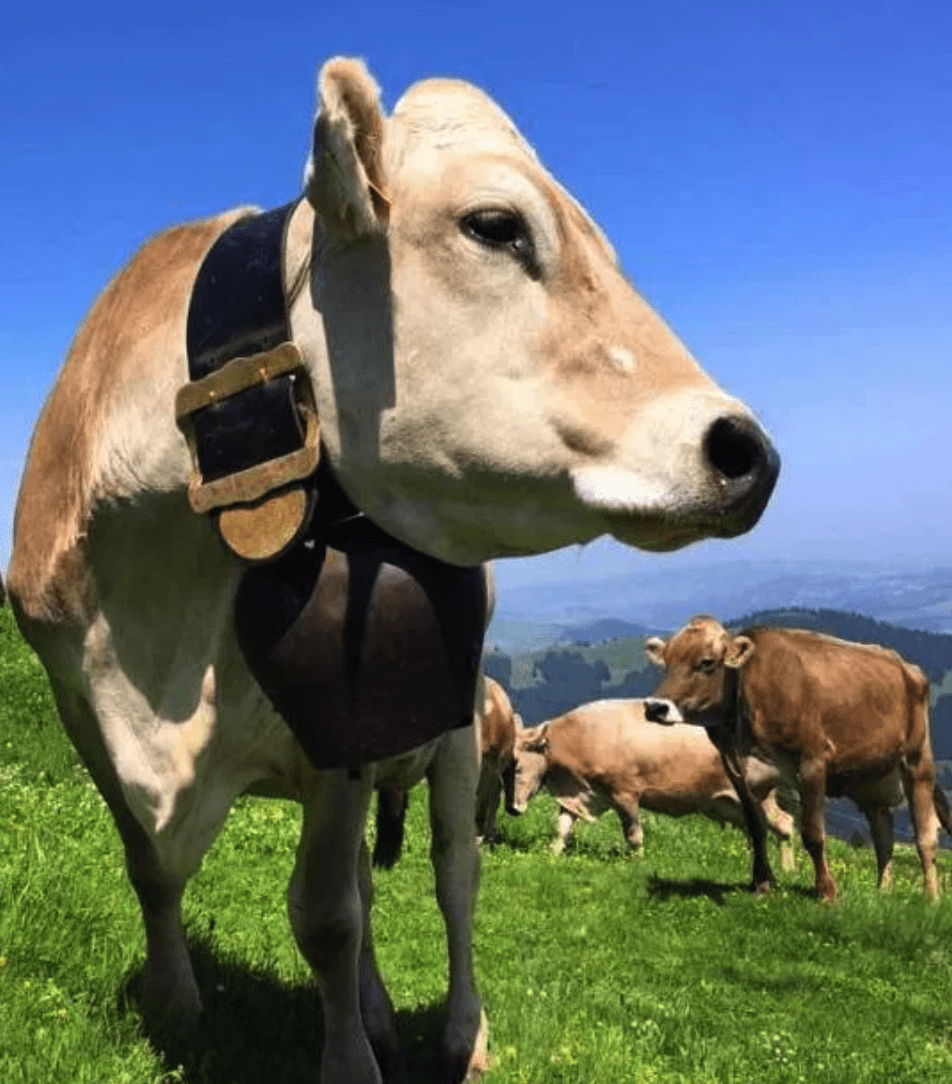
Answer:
[(607, 628), (930, 650), (664, 596)]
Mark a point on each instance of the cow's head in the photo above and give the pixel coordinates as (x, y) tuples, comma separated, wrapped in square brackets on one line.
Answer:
[(530, 763), (489, 383), (695, 661)]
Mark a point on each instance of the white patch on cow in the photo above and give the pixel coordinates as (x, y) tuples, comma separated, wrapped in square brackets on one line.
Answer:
[(623, 358), (618, 489)]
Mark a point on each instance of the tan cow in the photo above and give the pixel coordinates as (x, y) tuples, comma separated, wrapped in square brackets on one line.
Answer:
[(487, 384), (836, 717), (606, 755), (498, 725)]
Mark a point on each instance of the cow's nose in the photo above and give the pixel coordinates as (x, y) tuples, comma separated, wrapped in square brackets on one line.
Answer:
[(656, 711), (747, 465)]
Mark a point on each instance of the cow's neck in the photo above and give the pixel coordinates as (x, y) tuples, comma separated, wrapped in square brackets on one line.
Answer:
[(366, 647)]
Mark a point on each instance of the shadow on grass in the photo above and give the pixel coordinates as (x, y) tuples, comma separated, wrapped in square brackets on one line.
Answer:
[(256, 1028), (662, 889)]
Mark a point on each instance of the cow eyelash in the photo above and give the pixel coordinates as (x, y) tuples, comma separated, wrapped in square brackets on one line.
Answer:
[(707, 666), (499, 228)]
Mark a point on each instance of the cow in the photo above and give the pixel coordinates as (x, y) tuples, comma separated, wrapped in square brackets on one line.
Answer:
[(607, 755), (498, 725), (836, 717), (485, 382)]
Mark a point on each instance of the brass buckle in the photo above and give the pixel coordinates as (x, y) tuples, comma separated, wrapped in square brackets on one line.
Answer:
[(234, 377)]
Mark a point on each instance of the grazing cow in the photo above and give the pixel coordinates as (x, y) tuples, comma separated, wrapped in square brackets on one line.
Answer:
[(485, 383), (606, 755), (836, 717)]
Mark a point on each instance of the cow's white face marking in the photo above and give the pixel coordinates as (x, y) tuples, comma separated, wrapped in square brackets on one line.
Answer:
[(617, 488), (623, 358)]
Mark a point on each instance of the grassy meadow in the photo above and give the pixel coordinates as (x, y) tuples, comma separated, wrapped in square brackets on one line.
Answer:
[(594, 967)]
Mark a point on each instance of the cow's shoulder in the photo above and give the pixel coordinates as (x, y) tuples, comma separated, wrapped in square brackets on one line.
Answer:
[(121, 349)]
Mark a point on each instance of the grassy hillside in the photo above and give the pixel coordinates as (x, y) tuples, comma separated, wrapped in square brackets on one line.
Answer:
[(595, 968)]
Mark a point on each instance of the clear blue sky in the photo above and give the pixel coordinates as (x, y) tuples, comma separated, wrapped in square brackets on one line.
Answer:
[(776, 177)]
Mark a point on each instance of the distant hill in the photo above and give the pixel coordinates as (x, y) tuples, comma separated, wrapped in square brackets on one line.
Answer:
[(665, 594), (930, 650), (607, 628)]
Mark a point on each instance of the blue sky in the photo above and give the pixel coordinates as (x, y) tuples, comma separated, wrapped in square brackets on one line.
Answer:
[(775, 177)]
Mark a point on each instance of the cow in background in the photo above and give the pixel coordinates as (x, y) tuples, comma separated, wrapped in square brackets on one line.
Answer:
[(836, 717), (607, 755), (498, 724)]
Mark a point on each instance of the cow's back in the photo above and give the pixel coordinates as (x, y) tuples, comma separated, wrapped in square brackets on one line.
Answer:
[(610, 744), (806, 690)]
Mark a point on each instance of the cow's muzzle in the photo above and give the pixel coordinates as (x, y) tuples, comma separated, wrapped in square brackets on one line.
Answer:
[(662, 711), (746, 466)]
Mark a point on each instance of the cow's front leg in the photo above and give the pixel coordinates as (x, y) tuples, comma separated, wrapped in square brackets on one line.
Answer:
[(754, 819), (453, 776), (565, 824), (629, 813), (327, 916), (376, 1008)]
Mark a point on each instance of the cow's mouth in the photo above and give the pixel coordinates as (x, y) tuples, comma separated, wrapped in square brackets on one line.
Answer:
[(722, 497)]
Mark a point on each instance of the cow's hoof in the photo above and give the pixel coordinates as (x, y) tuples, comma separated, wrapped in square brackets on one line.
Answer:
[(761, 888), (171, 1004), (469, 1062)]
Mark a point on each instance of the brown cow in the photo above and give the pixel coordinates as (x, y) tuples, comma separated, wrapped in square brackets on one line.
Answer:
[(839, 718), (498, 725), (606, 755)]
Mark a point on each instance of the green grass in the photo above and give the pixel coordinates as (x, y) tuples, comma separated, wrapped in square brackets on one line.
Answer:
[(594, 967)]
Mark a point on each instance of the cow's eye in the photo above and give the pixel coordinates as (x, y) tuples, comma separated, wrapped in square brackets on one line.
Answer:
[(499, 228), (707, 666)]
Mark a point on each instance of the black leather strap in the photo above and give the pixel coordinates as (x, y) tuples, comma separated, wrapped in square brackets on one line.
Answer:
[(237, 309)]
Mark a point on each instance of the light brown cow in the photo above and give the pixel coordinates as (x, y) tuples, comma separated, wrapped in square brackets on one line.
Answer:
[(498, 724), (487, 384), (836, 717), (606, 755)]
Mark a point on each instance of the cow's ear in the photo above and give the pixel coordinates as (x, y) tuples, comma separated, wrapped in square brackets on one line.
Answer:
[(654, 650), (739, 652), (538, 740), (344, 178)]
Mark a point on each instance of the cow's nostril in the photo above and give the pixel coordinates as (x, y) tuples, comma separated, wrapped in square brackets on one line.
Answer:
[(735, 447)]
